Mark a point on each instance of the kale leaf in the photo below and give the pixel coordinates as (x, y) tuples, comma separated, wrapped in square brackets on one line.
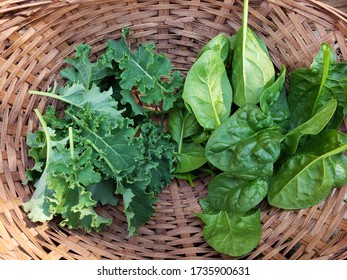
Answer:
[(96, 151)]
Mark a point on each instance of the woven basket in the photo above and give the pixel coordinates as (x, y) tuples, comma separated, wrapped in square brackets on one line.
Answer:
[(36, 37)]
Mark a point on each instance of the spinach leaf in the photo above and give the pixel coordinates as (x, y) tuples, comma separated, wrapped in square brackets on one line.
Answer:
[(273, 101), (181, 125), (306, 179), (230, 233), (247, 144), (313, 126), (220, 44), (323, 143), (230, 193), (191, 157), (312, 88), (207, 90), (252, 69)]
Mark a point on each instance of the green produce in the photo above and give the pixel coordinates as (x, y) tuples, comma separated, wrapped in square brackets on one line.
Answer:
[(312, 88), (207, 90), (285, 149), (252, 69), (247, 144), (231, 118), (100, 151)]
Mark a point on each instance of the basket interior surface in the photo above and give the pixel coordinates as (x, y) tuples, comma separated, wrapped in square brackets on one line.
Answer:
[(35, 39)]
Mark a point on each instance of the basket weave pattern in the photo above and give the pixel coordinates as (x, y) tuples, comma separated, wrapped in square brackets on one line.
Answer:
[(36, 37)]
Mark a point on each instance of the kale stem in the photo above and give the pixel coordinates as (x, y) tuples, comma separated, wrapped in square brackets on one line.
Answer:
[(45, 130), (72, 151)]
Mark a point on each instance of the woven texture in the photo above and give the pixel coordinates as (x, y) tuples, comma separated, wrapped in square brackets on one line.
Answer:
[(36, 37)]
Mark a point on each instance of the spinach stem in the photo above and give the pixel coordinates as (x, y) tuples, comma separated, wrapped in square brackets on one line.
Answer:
[(245, 17), (244, 38), (326, 64), (180, 144)]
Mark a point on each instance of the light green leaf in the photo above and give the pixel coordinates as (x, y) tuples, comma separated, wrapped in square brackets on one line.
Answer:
[(252, 68), (207, 90), (220, 44)]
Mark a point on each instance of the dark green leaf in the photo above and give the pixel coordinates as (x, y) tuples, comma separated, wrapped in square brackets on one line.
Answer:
[(192, 157), (138, 207), (182, 124), (230, 233), (312, 88), (246, 145), (273, 101), (231, 193), (312, 126), (306, 179)]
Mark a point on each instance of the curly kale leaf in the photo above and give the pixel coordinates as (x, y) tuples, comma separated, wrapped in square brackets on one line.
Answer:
[(82, 71), (61, 186), (151, 74), (151, 174), (115, 147), (99, 102), (116, 150)]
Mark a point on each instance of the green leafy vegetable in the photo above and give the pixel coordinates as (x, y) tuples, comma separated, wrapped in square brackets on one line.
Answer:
[(312, 88), (82, 71), (312, 126), (304, 180), (183, 125), (80, 96), (252, 69), (61, 186), (231, 193), (263, 143), (231, 233), (207, 90), (191, 157), (273, 102), (150, 73), (247, 144), (220, 44), (99, 151)]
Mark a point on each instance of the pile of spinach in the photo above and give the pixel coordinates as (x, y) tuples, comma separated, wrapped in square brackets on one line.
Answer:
[(110, 140), (236, 120)]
